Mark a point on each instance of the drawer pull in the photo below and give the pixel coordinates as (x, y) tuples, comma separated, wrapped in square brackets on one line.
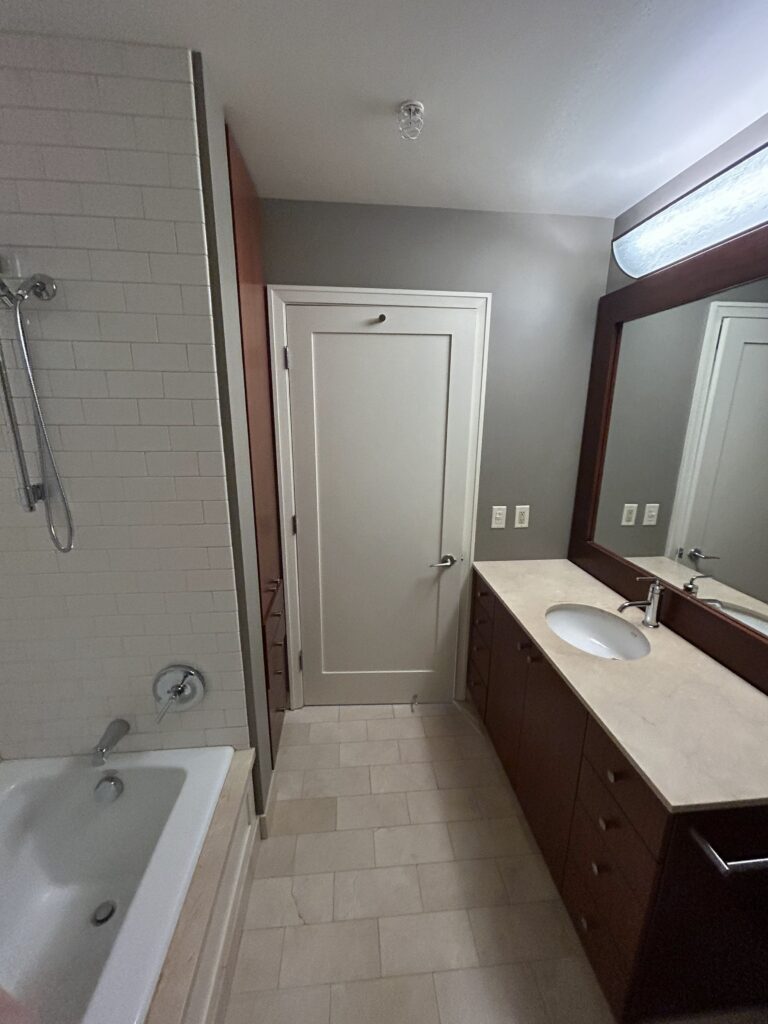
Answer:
[(604, 823), (483, 593), (480, 622), (583, 923), (613, 776), (728, 867), (533, 658), (524, 645), (596, 869)]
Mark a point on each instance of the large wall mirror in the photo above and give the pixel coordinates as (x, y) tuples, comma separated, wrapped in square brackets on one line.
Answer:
[(673, 480), (684, 493)]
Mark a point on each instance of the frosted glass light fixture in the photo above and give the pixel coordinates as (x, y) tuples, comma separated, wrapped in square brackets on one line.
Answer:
[(410, 119), (728, 205)]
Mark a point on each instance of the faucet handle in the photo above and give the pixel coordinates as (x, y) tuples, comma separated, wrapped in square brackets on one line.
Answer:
[(649, 579)]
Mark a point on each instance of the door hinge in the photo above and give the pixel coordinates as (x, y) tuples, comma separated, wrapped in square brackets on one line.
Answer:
[(301, 661), (293, 523), (286, 361)]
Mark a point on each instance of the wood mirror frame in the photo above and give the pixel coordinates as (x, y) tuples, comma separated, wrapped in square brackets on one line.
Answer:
[(732, 263)]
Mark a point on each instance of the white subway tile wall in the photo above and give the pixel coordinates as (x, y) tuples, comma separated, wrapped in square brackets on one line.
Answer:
[(100, 188)]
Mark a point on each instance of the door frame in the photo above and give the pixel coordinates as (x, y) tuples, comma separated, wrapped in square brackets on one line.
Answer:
[(707, 376), (279, 298)]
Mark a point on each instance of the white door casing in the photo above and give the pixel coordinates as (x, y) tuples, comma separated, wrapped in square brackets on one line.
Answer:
[(378, 426), (725, 443)]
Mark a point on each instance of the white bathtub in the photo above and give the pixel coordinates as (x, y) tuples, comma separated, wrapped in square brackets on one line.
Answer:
[(62, 853)]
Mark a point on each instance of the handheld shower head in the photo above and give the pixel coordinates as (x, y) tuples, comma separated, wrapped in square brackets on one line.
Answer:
[(39, 285)]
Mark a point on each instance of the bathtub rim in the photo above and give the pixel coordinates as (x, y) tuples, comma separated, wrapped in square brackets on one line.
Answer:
[(179, 970)]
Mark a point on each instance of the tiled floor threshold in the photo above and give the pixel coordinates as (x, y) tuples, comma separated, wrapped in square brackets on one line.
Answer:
[(401, 885)]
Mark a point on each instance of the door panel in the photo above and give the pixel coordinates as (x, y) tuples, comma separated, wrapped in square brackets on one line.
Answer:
[(381, 421), (725, 511)]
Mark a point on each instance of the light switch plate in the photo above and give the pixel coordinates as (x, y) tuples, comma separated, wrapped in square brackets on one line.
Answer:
[(498, 517), (522, 516), (651, 514), (629, 515)]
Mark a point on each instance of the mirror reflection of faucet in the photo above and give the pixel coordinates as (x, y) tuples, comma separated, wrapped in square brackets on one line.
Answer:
[(692, 586)]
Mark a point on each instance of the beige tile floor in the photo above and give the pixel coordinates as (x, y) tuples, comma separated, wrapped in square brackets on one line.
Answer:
[(401, 885)]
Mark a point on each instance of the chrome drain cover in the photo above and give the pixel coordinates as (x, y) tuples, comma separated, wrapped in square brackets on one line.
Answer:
[(103, 912)]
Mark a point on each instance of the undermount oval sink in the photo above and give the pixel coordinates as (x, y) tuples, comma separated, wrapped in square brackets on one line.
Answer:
[(747, 616), (597, 632)]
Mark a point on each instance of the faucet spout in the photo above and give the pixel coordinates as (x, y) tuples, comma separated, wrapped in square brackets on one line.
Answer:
[(651, 603), (112, 736)]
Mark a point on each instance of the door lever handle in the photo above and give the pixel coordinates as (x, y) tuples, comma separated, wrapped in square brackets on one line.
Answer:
[(445, 562)]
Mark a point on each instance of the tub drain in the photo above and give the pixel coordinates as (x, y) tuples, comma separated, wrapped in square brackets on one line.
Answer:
[(103, 912)]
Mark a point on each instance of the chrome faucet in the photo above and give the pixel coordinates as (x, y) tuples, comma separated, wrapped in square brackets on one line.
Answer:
[(112, 736), (692, 586), (651, 603)]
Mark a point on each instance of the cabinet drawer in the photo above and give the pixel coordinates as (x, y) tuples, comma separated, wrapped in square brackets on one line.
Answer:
[(596, 938), (631, 792), (626, 850), (623, 911), (477, 689), (482, 623), (480, 655), (482, 595)]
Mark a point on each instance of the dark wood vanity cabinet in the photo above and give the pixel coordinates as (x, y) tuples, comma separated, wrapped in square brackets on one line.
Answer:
[(664, 930), (480, 643), (551, 741), (506, 688)]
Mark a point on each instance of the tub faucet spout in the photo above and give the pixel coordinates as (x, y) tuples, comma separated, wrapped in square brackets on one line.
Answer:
[(112, 736)]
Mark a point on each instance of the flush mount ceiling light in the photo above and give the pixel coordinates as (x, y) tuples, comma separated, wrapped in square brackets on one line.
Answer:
[(727, 205), (410, 119)]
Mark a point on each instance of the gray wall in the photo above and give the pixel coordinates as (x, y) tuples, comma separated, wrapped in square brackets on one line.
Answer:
[(546, 274), (654, 385)]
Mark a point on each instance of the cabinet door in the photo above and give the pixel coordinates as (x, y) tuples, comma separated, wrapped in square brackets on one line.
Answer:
[(551, 743), (506, 688)]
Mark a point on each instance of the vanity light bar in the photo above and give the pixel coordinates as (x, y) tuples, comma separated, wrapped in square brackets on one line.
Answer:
[(725, 206)]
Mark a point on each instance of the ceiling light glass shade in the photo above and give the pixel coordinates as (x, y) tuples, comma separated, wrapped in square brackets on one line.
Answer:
[(728, 205), (410, 119)]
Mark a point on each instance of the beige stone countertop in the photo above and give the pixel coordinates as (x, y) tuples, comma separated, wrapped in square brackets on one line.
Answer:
[(695, 731)]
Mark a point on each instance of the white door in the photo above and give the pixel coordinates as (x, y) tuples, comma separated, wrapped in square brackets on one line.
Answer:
[(729, 496), (384, 408)]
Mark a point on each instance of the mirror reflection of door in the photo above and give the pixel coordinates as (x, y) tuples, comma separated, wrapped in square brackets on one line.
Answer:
[(723, 492)]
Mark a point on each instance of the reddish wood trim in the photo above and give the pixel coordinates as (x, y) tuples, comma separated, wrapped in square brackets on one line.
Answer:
[(732, 263), (252, 301)]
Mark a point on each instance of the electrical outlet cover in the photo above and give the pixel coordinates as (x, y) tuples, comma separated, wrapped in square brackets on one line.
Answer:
[(651, 514), (629, 515), (498, 517)]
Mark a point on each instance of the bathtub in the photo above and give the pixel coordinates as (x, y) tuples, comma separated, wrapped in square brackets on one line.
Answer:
[(63, 853)]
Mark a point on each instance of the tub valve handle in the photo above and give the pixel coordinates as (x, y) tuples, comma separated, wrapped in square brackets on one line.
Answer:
[(178, 685), (175, 693)]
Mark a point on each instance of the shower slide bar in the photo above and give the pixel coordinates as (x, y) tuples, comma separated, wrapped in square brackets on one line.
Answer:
[(50, 487)]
